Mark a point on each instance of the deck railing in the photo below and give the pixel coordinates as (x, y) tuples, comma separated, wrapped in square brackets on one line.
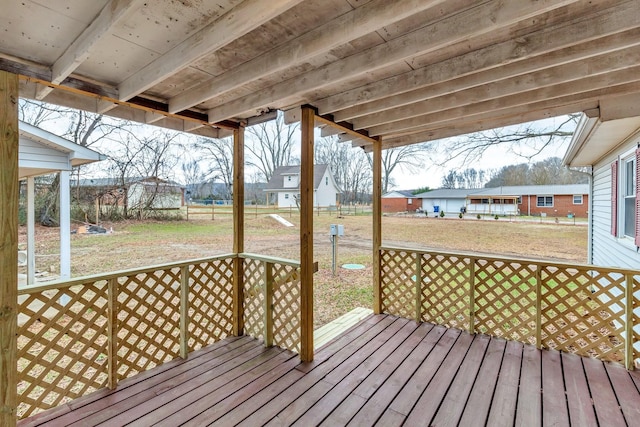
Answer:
[(81, 335), (588, 310)]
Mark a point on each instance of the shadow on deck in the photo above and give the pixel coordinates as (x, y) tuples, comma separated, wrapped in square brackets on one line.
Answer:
[(385, 370)]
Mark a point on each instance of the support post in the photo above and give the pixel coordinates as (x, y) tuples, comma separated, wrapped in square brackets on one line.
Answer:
[(628, 339), (31, 231), (8, 246), (238, 230), (184, 312), (268, 303), (418, 287), (65, 225), (112, 333), (472, 295), (377, 223), (539, 307), (306, 234)]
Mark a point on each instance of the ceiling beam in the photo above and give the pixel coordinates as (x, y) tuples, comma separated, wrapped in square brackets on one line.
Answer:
[(481, 19), (537, 111), (345, 28), (564, 79), (536, 51), (247, 16), (498, 108), (345, 127)]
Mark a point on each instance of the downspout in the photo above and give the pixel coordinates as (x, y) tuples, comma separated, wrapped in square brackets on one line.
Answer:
[(590, 219)]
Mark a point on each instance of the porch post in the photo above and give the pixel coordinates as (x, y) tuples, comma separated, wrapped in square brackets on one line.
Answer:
[(306, 234), (238, 230), (31, 231), (8, 246), (377, 223), (65, 225)]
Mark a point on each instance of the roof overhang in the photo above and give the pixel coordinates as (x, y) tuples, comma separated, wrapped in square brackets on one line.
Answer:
[(600, 131)]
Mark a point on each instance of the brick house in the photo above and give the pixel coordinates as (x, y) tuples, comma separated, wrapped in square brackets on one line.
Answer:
[(399, 201), (533, 200)]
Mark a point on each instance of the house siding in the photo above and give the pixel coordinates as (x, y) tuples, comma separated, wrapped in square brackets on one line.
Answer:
[(398, 204), (33, 154), (444, 205), (608, 250)]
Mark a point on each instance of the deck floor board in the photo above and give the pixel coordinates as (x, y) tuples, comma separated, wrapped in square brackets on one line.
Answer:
[(383, 371)]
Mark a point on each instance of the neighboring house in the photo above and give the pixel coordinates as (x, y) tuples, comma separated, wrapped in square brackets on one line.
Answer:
[(535, 200), (399, 201), (607, 140), (285, 183), (545, 200), (443, 200)]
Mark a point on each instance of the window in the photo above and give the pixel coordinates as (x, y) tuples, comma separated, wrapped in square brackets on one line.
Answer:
[(519, 201), (577, 199), (286, 195), (545, 201), (288, 179), (409, 201), (326, 180), (629, 196)]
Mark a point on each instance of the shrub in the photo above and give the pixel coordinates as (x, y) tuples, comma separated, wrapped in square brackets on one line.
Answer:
[(496, 217), (478, 216), (441, 214), (460, 215)]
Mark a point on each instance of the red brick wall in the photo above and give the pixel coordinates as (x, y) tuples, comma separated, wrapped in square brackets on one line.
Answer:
[(392, 205), (562, 206)]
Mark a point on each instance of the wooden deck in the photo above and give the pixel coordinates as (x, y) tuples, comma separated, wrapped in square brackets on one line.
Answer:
[(386, 371)]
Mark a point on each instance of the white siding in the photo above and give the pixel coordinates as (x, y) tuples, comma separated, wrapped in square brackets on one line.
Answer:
[(448, 206), (284, 202), (607, 249), (326, 193), (34, 155), (290, 181)]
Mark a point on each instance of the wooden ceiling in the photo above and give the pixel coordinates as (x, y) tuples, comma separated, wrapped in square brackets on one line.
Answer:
[(407, 71)]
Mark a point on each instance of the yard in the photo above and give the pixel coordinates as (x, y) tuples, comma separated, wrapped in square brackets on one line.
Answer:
[(138, 244)]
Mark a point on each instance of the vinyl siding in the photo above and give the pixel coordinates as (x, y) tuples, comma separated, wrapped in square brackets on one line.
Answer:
[(33, 154), (609, 250)]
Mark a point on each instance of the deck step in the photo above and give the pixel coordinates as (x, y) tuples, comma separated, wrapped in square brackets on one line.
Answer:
[(326, 333)]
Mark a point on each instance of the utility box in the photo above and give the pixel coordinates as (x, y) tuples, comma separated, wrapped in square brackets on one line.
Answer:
[(336, 230)]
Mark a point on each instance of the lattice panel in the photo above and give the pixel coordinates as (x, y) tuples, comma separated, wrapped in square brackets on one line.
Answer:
[(583, 312), (286, 306), (62, 346), (636, 319), (397, 283), (254, 298), (148, 320), (445, 290), (210, 302), (505, 299)]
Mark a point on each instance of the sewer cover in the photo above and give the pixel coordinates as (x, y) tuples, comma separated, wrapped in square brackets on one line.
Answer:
[(353, 266)]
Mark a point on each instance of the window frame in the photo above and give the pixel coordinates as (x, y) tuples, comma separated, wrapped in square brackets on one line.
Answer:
[(626, 161), (544, 203), (581, 199)]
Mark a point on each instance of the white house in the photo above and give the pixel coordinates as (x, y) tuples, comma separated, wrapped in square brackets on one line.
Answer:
[(39, 153), (446, 200), (607, 141), (285, 182)]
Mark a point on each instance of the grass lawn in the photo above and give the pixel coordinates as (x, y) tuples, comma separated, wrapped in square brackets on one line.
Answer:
[(139, 244)]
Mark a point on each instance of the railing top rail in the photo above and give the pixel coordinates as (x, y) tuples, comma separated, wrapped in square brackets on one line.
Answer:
[(65, 283), (475, 255), (271, 259)]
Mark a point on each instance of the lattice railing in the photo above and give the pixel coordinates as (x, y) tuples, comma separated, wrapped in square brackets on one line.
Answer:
[(588, 310), (272, 300), (88, 333)]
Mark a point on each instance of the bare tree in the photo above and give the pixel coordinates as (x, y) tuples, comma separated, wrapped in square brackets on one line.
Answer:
[(270, 145), (350, 167), (219, 154), (408, 158), (527, 140)]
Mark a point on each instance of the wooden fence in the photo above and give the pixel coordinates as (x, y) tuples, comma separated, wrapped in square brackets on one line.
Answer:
[(586, 310), (78, 336)]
